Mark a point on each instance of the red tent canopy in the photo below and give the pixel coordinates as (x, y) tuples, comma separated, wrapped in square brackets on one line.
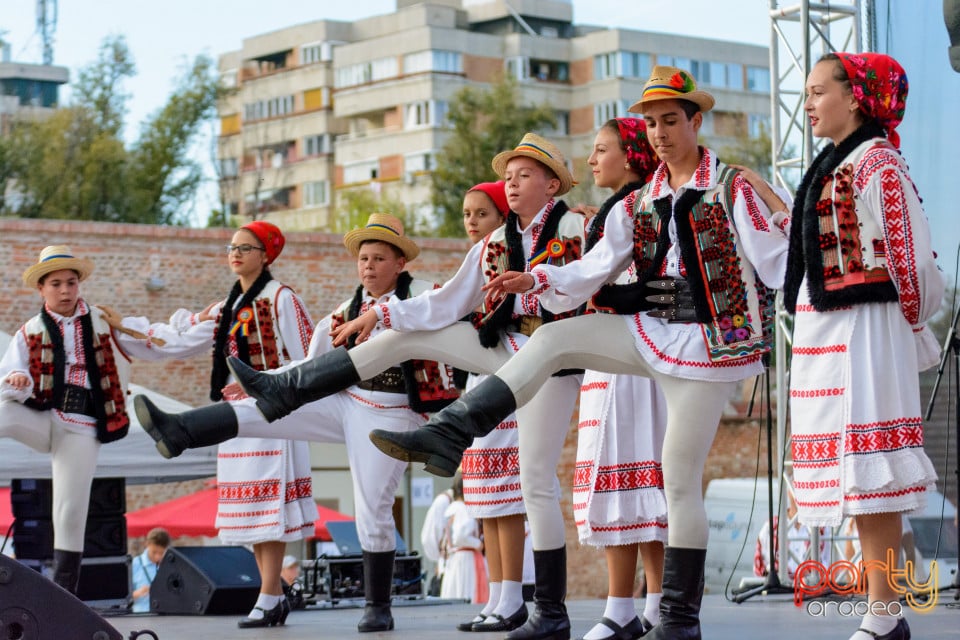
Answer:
[(194, 515), (189, 515)]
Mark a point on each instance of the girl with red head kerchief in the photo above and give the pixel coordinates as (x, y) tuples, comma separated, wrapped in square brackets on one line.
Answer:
[(622, 423), (861, 279), (263, 484)]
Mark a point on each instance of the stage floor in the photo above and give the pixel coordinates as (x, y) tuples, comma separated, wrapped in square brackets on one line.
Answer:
[(770, 617)]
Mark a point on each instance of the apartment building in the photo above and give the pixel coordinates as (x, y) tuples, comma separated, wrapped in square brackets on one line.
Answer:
[(27, 90), (329, 106)]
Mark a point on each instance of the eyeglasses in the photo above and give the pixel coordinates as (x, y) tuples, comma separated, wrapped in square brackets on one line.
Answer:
[(244, 249)]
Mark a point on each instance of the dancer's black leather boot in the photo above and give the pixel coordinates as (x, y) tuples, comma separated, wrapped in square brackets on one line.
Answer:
[(440, 443), (66, 569), (279, 394), (377, 588), (549, 620), (682, 595), (175, 432)]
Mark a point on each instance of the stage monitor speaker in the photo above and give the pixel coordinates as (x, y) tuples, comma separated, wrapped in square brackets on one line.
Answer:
[(105, 536), (33, 608), (205, 581), (32, 498)]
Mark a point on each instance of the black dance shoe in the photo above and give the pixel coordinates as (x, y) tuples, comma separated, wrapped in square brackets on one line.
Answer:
[(496, 622), (468, 625), (274, 617), (899, 632), (636, 628)]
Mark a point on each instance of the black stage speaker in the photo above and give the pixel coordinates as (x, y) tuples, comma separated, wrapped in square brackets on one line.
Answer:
[(106, 527), (205, 581), (33, 608)]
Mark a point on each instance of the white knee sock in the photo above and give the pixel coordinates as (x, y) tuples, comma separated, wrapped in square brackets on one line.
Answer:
[(511, 597), (651, 608), (495, 590), (620, 610), (266, 602)]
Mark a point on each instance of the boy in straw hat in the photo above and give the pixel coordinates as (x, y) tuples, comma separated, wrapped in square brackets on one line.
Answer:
[(395, 400), (539, 229), (63, 383), (696, 321)]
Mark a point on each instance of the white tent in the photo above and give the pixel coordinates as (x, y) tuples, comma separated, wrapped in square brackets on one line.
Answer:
[(134, 457)]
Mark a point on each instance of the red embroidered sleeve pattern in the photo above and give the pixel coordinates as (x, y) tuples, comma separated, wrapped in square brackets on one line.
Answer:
[(741, 186), (540, 283), (901, 254), (385, 314)]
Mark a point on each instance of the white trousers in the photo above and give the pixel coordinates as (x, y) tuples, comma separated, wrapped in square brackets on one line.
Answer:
[(73, 463), (542, 424), (348, 417), (603, 342)]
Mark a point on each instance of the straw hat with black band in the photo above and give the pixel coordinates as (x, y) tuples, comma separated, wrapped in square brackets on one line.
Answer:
[(544, 152), (55, 258), (381, 227), (672, 83)]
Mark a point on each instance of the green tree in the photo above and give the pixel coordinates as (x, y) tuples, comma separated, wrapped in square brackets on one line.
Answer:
[(755, 152), (483, 122), (354, 206), (75, 164)]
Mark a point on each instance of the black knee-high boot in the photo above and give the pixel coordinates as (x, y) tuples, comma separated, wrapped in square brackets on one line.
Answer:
[(280, 394), (174, 432), (377, 588), (682, 595), (66, 569), (440, 443), (549, 620)]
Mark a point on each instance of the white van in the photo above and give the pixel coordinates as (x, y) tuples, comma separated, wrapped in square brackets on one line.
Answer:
[(734, 529)]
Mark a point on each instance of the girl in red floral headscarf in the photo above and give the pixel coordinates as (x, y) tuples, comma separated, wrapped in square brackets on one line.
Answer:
[(862, 280)]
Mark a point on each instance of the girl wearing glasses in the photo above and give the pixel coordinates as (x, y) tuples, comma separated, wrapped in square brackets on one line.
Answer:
[(265, 324)]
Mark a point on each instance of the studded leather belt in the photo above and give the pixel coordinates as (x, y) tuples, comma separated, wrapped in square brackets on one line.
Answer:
[(675, 301), (389, 381), (78, 400)]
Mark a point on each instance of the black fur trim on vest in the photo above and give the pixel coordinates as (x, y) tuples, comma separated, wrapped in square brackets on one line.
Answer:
[(600, 219), (228, 315), (490, 330), (804, 256)]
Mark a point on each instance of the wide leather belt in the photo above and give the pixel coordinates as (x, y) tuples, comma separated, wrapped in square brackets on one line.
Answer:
[(528, 324), (77, 400), (389, 381), (676, 301)]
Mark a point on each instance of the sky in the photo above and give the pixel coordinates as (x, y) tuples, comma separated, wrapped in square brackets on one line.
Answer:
[(164, 36)]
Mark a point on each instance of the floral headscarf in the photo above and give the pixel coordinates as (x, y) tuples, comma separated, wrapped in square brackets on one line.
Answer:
[(640, 155), (880, 86)]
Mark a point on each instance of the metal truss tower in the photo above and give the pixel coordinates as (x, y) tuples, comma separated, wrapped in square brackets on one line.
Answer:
[(46, 25), (800, 32)]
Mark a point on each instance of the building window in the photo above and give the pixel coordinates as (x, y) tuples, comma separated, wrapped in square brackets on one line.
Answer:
[(361, 171), (228, 79), (229, 168), (603, 111), (735, 76), (562, 127), (279, 106), (757, 125), (436, 61), (364, 72), (634, 65), (317, 145), (315, 194), (425, 113), (418, 162), (517, 68), (758, 79), (314, 52), (605, 66), (549, 70)]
